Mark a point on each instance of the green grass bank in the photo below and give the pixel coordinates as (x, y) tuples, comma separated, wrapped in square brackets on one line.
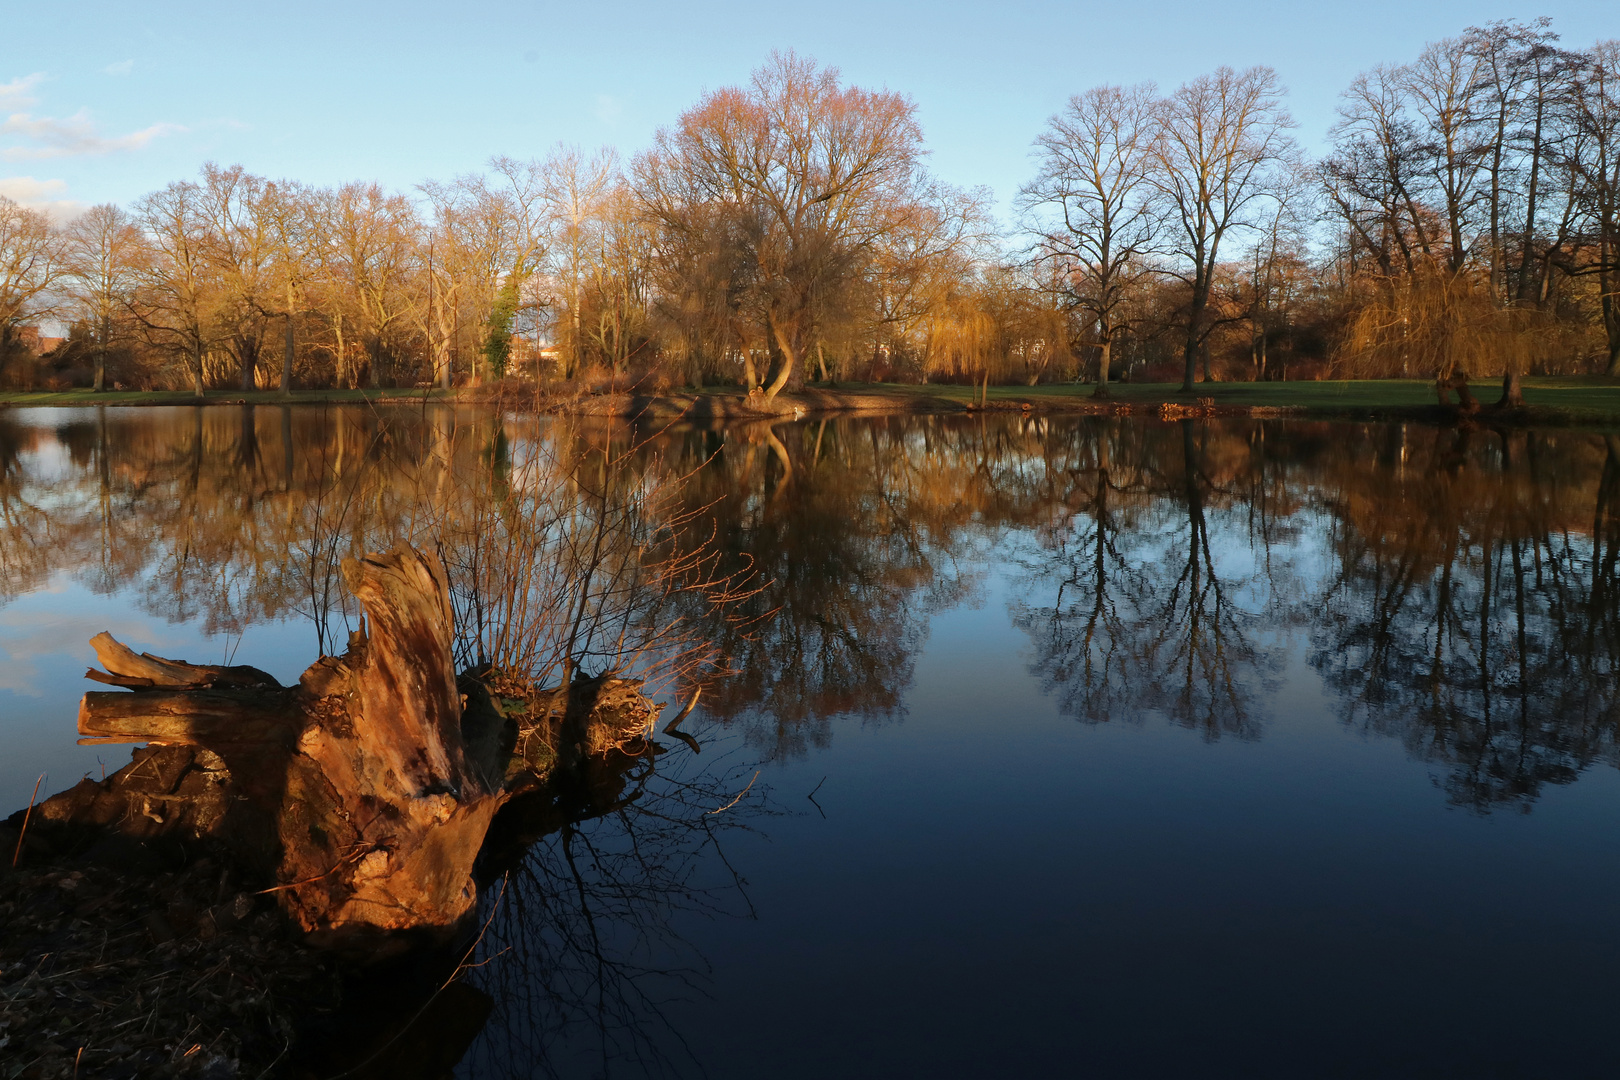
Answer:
[(1549, 400)]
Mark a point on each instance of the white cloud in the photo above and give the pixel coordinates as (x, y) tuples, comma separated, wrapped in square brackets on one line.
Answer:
[(19, 92), (123, 67), (72, 136), (43, 195)]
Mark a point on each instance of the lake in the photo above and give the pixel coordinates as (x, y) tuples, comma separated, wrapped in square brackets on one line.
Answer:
[(1069, 746)]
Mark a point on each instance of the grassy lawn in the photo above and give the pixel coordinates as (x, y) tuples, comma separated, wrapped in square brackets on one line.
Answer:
[(1594, 396), (1585, 398)]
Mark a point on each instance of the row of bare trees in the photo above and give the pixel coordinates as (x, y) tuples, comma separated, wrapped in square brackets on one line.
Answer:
[(1466, 221), (1476, 193), (1136, 189)]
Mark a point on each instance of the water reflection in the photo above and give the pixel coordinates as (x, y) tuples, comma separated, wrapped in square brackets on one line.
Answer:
[(581, 952), (1133, 604), (1454, 589), (1470, 611), (854, 544), (1451, 590)]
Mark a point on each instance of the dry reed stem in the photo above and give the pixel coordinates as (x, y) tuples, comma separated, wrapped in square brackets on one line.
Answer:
[(22, 833)]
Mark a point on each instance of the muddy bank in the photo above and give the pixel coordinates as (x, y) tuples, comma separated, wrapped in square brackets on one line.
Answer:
[(147, 971)]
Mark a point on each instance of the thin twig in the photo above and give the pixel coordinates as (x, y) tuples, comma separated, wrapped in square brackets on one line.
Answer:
[(351, 857), (740, 794), (15, 855), (812, 798)]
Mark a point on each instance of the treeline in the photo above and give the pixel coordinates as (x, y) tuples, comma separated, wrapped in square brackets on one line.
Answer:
[(1466, 221)]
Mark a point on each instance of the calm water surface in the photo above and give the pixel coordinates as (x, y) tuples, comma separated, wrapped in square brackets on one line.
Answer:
[(1083, 747)]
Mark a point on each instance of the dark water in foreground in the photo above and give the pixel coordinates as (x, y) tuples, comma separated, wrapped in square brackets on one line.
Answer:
[(1083, 747)]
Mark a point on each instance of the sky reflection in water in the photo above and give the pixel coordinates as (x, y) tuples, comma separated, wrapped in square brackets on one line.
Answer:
[(1136, 748)]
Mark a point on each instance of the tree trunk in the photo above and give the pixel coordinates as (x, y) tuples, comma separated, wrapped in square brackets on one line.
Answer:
[(365, 791), (444, 358), (1512, 392), (287, 352), (1103, 360), (101, 355), (339, 375), (784, 370), (1611, 323), (1189, 354), (197, 368), (788, 367), (1467, 404)]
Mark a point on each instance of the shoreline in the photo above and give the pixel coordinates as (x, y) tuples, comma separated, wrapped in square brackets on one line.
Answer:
[(1598, 402)]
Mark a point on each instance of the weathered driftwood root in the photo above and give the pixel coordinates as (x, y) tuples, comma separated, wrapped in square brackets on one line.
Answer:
[(353, 790), (364, 792)]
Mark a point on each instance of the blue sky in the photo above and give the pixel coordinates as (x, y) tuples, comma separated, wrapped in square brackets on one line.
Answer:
[(103, 101)]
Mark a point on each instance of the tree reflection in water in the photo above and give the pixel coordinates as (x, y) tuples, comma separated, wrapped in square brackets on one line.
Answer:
[(1143, 616), (1453, 589), (1457, 588), (853, 547), (1471, 609), (1463, 597), (582, 952)]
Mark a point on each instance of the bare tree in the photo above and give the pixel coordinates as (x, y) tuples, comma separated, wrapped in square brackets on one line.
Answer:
[(1443, 88), (810, 170), (920, 272), (102, 246), (242, 248), (1278, 266), (175, 288), (1517, 84), (1093, 201), (371, 248), (1592, 155), (579, 189), (1223, 141), (489, 238), (286, 210), (1373, 179), (30, 263)]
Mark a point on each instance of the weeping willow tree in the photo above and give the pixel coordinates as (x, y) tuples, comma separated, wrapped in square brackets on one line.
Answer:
[(1451, 325), (961, 340), (996, 328)]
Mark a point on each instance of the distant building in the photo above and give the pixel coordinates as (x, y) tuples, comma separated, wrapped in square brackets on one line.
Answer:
[(32, 340)]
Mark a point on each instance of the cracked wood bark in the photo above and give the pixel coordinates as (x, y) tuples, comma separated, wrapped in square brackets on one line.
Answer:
[(379, 813)]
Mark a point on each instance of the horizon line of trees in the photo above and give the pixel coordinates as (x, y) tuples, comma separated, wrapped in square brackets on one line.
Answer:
[(1465, 222)]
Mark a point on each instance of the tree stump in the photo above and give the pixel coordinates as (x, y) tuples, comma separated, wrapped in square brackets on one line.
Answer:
[(355, 789)]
